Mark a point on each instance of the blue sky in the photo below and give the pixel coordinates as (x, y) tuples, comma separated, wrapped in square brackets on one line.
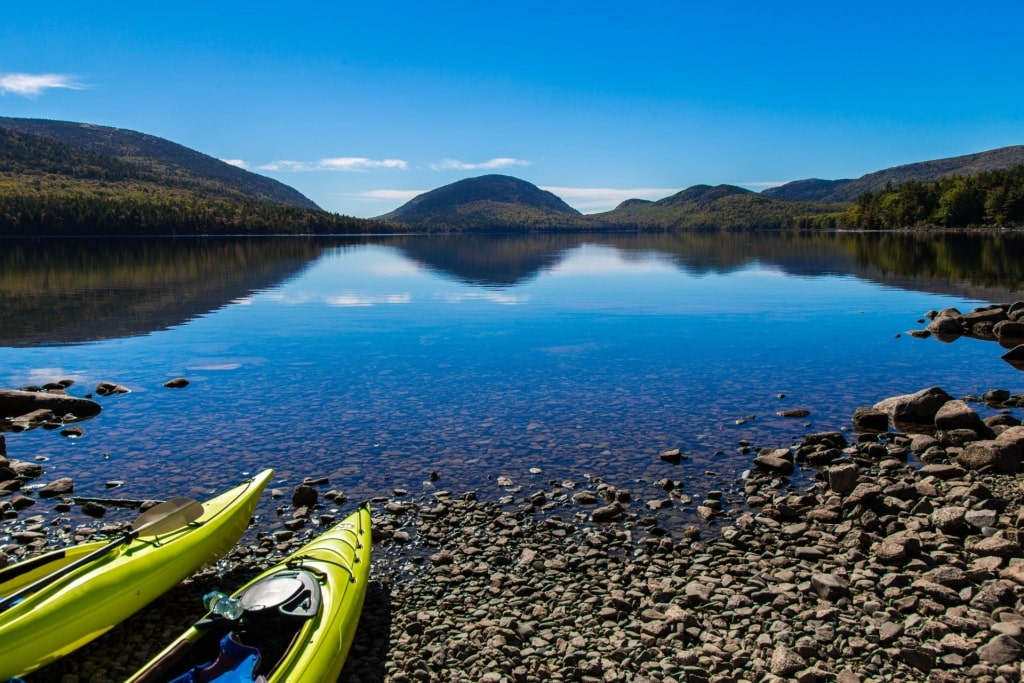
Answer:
[(361, 106)]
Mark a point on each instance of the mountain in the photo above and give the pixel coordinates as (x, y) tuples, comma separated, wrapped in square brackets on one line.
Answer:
[(70, 179), (924, 171), (163, 158), (703, 207), (486, 202)]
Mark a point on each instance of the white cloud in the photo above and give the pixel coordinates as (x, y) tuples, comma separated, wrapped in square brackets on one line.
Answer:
[(32, 85), (284, 165), (235, 162), (390, 195), (594, 199), (490, 164), (336, 164), (360, 164)]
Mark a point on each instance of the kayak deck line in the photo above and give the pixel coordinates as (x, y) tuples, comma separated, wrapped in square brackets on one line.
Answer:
[(61, 616), (299, 615)]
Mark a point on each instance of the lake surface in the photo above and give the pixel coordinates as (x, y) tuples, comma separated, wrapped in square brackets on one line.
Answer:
[(428, 363)]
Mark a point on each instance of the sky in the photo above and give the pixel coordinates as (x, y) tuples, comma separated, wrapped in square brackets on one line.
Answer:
[(363, 105)]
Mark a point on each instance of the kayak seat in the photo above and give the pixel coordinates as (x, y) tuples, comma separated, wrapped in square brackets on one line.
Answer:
[(235, 663), (275, 609)]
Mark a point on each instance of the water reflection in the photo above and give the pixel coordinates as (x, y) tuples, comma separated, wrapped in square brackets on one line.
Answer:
[(377, 362), (69, 291)]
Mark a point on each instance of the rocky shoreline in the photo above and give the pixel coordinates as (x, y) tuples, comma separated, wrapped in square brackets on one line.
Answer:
[(881, 570), (901, 560)]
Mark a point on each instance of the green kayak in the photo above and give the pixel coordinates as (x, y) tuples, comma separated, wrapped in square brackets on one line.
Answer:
[(293, 623), (59, 601)]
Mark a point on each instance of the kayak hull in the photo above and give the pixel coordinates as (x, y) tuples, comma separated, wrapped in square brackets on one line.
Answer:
[(339, 560), (86, 603)]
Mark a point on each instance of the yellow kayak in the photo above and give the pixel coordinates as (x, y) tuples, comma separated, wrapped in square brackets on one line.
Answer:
[(59, 601), (294, 622)]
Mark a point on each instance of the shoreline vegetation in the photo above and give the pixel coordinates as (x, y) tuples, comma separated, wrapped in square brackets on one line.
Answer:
[(902, 561), (67, 179)]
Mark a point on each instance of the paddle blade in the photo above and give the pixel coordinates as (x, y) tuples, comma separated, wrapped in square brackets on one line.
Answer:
[(167, 516)]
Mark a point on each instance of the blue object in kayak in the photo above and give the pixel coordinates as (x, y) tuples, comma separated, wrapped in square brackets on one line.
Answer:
[(236, 663)]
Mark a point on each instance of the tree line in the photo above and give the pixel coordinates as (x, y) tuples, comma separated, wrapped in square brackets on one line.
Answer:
[(148, 213), (989, 198)]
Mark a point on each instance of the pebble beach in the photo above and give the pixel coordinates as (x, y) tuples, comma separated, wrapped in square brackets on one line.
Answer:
[(901, 560)]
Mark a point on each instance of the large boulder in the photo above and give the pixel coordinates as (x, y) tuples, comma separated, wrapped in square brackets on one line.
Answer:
[(1009, 332), (870, 420), (917, 409), (959, 415), (991, 454), (15, 403), (946, 328), (989, 314)]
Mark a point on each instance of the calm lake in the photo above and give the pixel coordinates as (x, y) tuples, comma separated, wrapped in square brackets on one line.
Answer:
[(430, 363)]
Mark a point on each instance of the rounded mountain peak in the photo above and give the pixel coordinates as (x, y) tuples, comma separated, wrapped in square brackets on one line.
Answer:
[(497, 189)]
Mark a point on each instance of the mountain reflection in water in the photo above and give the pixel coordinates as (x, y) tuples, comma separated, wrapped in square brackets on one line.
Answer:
[(71, 291), (376, 362)]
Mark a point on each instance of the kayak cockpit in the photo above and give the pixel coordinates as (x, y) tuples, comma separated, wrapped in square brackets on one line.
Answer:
[(275, 610)]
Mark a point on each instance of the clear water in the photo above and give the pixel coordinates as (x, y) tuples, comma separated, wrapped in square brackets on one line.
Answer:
[(425, 363)]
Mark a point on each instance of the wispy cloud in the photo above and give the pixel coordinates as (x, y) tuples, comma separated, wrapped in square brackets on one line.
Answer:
[(390, 195), (336, 164), (490, 164), (235, 162), (33, 85), (606, 198)]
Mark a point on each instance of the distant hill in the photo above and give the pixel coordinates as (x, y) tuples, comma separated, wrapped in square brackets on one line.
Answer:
[(924, 171), (79, 179), (703, 207), (486, 202), (165, 159)]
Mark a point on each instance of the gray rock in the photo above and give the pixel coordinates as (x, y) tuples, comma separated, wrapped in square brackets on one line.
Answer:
[(304, 496), (14, 403), (1009, 332), (608, 513), (950, 519), (980, 519), (914, 409), (110, 389), (898, 547), (774, 463), (869, 420), (991, 454), (1002, 649), (1014, 436), (959, 415), (993, 546), (946, 327), (842, 477), (697, 592), (57, 488), (786, 662), (830, 587)]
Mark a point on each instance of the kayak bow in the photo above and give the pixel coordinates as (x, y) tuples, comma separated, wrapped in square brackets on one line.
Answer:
[(81, 604)]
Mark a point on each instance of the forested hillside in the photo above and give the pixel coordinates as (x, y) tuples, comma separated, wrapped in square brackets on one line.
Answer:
[(164, 159), (53, 188), (991, 198)]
